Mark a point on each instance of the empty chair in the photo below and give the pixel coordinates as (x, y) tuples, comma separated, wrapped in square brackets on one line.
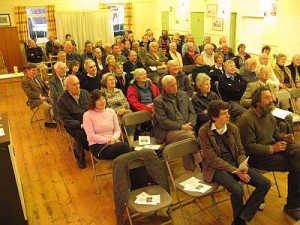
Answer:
[(134, 173)]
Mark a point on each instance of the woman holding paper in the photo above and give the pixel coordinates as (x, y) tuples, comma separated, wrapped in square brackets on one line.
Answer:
[(102, 128), (225, 163)]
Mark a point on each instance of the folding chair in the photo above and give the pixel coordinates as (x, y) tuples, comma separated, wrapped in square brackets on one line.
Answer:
[(34, 118), (135, 161), (97, 174), (136, 118), (187, 69), (286, 96), (176, 151)]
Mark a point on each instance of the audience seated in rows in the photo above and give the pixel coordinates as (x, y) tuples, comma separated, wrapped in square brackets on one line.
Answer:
[(294, 67)]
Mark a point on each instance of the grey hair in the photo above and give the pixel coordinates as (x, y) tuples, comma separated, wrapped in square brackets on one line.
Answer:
[(87, 62), (167, 79), (172, 43), (59, 64), (208, 46), (105, 77), (138, 72), (69, 79), (297, 56), (201, 78), (152, 43), (259, 68), (108, 57), (172, 62)]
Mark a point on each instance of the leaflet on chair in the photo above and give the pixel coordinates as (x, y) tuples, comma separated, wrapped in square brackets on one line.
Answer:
[(195, 185), (146, 199)]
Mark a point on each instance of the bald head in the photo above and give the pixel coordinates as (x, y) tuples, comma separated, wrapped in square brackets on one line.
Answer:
[(72, 85), (264, 59)]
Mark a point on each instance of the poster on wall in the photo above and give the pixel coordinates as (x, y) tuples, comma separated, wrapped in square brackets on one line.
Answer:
[(180, 16), (217, 24), (4, 20), (211, 10)]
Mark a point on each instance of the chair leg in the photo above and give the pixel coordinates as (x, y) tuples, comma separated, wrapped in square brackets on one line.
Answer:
[(218, 216), (277, 187), (129, 217), (58, 129)]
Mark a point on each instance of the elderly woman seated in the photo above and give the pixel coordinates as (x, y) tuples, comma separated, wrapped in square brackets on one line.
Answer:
[(295, 69), (116, 100), (189, 56), (110, 64), (283, 73), (173, 54), (208, 55), (102, 128), (202, 99), (141, 91)]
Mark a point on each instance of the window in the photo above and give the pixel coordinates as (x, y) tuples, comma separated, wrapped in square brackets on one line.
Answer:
[(118, 19), (37, 23)]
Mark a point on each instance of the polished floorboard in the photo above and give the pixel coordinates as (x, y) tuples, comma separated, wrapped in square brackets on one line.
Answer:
[(57, 192)]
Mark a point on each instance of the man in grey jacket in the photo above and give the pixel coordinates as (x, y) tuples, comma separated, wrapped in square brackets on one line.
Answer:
[(174, 116)]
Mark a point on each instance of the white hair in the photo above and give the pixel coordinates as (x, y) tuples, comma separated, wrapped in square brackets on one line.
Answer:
[(167, 79)]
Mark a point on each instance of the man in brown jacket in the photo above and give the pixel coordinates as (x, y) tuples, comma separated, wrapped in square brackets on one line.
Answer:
[(223, 153), (37, 94)]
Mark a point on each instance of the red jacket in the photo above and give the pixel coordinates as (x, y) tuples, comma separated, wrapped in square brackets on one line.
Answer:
[(133, 97)]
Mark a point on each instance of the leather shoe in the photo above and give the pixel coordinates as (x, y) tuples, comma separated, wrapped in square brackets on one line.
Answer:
[(50, 125), (293, 212), (81, 164)]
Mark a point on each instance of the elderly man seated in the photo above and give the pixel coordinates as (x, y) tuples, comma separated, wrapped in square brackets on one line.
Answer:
[(132, 64), (182, 80), (270, 150), (174, 116), (91, 79), (57, 85), (231, 85), (248, 71), (37, 93), (264, 60), (141, 91), (155, 61), (72, 104)]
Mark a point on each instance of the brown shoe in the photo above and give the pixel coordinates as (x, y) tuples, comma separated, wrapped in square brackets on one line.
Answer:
[(50, 125)]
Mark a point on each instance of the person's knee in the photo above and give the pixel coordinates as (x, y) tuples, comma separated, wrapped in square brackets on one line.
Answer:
[(238, 191)]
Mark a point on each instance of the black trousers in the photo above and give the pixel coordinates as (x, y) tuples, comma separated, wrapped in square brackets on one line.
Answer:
[(80, 142), (286, 161), (103, 151)]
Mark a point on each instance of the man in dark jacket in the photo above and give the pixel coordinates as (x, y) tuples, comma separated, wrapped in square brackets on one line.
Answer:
[(132, 64), (232, 85), (72, 104), (174, 116)]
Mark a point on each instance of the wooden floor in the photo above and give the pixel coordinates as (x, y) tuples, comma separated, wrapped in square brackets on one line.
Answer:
[(57, 192)]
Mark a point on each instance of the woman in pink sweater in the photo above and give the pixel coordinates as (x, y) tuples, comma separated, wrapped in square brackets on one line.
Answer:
[(102, 128)]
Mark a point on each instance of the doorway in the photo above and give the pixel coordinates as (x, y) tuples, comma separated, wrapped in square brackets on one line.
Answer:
[(197, 26)]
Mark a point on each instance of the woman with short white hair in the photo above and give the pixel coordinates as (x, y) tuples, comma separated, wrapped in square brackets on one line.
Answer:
[(173, 54), (141, 91)]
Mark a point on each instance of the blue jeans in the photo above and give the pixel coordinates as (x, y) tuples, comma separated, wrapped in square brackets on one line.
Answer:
[(231, 183)]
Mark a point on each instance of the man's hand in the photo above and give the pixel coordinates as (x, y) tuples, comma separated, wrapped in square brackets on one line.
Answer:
[(280, 146), (43, 98), (289, 138), (244, 177), (187, 126), (205, 111), (121, 111)]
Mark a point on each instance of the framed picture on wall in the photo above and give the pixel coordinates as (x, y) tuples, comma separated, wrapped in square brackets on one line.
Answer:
[(217, 24), (4, 20), (211, 10)]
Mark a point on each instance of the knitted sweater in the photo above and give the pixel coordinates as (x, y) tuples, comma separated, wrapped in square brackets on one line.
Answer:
[(100, 126)]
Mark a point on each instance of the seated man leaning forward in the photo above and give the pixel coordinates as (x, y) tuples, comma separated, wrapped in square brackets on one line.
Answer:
[(268, 148), (72, 104), (174, 116), (223, 153)]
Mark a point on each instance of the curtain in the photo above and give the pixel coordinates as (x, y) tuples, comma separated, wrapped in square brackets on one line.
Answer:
[(51, 27), (21, 23), (89, 25), (102, 6), (128, 16)]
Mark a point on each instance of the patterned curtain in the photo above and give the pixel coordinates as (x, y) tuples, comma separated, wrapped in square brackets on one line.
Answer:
[(128, 14), (102, 6), (21, 22), (51, 27)]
